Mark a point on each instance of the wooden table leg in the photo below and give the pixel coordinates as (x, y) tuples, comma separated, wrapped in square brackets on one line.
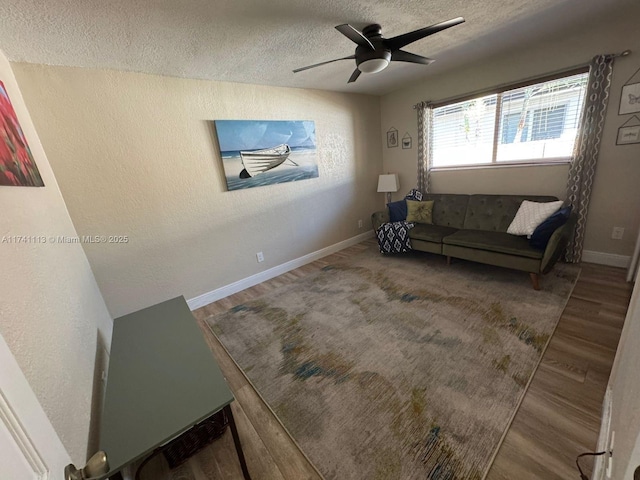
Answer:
[(535, 280), (236, 441)]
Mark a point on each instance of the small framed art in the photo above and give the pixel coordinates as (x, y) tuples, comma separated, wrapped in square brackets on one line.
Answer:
[(630, 99), (629, 132), (406, 141), (392, 138), (628, 135)]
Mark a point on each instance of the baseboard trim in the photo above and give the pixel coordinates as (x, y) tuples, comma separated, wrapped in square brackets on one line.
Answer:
[(235, 287), (610, 259)]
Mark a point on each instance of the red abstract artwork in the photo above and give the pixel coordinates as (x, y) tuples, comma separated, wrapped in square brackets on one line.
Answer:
[(17, 166)]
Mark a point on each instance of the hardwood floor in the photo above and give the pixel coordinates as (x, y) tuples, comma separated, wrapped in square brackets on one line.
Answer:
[(558, 419)]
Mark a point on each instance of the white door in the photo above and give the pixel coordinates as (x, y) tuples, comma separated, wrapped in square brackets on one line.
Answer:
[(30, 449)]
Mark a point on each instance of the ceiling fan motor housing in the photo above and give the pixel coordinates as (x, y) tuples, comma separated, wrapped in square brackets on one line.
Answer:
[(373, 30), (381, 55)]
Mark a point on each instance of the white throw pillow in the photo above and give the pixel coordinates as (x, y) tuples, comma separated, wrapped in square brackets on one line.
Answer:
[(530, 215)]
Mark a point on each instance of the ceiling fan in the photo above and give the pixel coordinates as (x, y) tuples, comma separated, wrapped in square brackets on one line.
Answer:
[(374, 52)]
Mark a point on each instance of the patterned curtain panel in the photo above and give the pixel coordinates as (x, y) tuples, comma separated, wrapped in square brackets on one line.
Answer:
[(585, 155), (425, 159)]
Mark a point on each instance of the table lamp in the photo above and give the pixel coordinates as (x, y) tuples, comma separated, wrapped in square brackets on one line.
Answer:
[(388, 183)]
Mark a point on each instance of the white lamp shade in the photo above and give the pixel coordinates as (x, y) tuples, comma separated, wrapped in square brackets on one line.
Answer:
[(388, 183)]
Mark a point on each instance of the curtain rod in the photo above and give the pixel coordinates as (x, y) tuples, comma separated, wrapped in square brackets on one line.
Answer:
[(518, 84)]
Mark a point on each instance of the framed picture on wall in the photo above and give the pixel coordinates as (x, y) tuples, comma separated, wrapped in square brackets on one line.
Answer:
[(629, 132), (17, 166), (628, 135), (406, 141), (257, 153), (630, 99), (392, 138)]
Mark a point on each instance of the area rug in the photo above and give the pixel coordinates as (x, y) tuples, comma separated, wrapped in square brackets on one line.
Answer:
[(397, 366)]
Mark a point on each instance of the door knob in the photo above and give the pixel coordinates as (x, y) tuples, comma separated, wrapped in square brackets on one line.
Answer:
[(96, 466)]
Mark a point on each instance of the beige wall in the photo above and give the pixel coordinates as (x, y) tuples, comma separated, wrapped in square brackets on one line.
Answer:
[(136, 155), (616, 196), (51, 309)]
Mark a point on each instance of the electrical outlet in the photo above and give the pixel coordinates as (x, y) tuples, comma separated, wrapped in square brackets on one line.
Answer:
[(359, 223), (260, 257), (617, 233)]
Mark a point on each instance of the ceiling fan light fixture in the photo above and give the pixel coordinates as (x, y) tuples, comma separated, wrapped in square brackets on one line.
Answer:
[(374, 52), (373, 65)]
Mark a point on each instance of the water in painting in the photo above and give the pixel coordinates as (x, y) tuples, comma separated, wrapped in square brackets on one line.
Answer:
[(256, 153)]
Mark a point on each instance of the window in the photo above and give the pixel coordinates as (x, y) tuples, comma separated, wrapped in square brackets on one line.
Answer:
[(510, 122), (535, 123), (548, 122)]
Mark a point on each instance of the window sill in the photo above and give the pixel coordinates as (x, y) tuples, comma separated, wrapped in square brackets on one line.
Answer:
[(556, 162)]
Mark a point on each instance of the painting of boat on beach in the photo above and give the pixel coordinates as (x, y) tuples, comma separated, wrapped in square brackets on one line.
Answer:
[(256, 153)]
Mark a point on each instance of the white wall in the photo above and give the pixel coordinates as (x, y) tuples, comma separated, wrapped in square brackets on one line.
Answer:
[(51, 311), (136, 155), (634, 462), (625, 387), (616, 196)]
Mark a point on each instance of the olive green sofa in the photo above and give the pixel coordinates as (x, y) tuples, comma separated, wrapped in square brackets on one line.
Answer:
[(474, 227)]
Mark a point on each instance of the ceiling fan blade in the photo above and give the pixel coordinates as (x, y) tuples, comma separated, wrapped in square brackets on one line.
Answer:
[(354, 76), (350, 57), (355, 35), (402, 56), (400, 41)]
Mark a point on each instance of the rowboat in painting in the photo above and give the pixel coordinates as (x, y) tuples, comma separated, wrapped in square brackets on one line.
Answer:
[(259, 161)]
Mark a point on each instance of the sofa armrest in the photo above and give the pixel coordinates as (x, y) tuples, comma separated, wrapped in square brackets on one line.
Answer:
[(378, 218), (557, 244)]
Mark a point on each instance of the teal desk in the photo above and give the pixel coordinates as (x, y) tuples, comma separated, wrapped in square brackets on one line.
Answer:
[(162, 380)]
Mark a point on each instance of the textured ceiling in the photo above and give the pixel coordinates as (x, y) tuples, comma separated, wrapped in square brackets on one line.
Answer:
[(261, 42)]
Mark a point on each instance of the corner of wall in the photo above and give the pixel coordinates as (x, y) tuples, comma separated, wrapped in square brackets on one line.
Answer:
[(52, 308)]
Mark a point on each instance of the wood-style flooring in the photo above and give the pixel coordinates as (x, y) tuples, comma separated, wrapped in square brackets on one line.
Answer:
[(558, 419)]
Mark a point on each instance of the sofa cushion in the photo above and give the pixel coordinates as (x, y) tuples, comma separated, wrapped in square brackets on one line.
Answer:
[(494, 242), (414, 194), (542, 234), (530, 215), (397, 211), (496, 212), (430, 233), (419, 212), (448, 209), (394, 237)]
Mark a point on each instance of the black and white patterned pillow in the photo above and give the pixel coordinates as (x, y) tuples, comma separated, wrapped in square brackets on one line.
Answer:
[(394, 237), (414, 194)]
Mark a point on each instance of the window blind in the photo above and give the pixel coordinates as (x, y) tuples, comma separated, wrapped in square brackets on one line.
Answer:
[(541, 121), (530, 123)]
